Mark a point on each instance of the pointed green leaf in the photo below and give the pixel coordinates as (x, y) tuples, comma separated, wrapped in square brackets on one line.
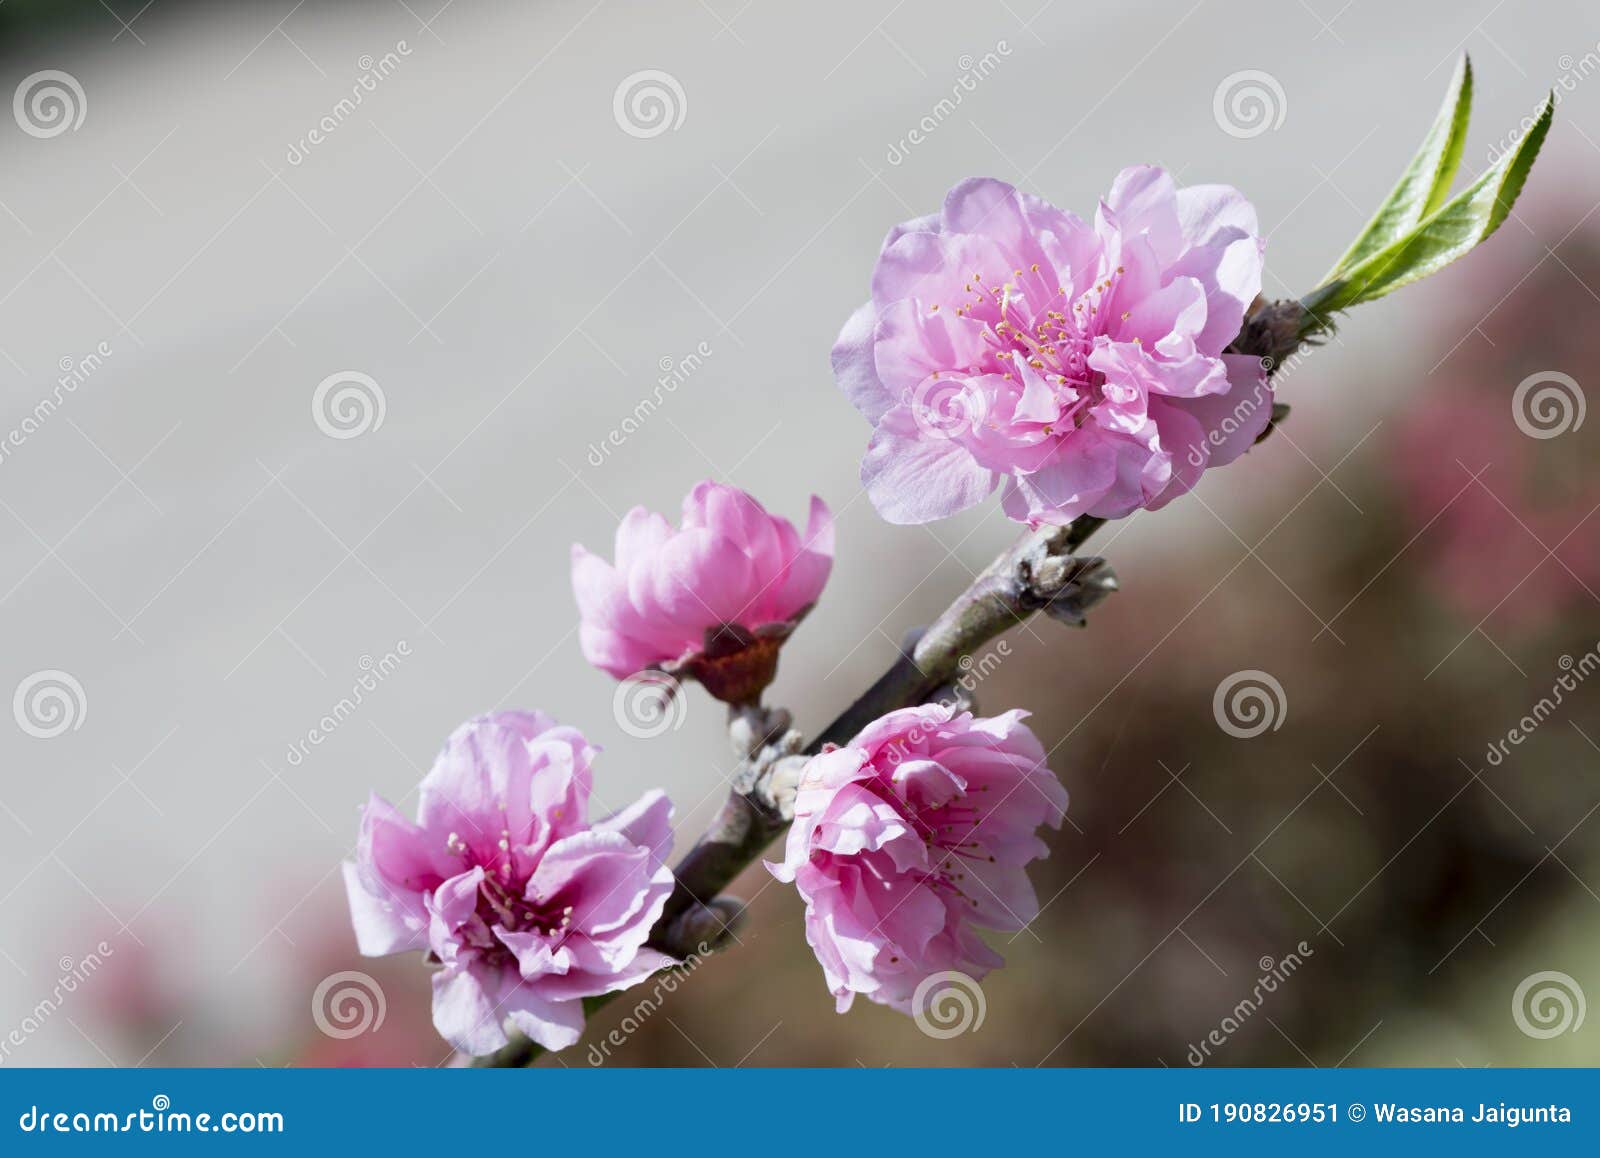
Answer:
[(1450, 232), (1425, 184)]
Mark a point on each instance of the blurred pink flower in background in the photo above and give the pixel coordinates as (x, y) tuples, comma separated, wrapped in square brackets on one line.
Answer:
[(1491, 461), (1083, 367), (731, 575), (527, 907), (911, 835), (1487, 537)]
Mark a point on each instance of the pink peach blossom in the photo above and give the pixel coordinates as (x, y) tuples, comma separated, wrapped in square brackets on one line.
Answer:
[(911, 836), (526, 906), (729, 568), (1082, 367)]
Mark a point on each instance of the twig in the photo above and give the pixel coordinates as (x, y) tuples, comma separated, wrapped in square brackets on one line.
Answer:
[(1040, 572)]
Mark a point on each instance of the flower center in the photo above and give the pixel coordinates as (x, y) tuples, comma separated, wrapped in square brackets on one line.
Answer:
[(1026, 320), (501, 902), (949, 829)]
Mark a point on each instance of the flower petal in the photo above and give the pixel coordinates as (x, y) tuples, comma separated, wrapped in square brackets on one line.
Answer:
[(914, 479)]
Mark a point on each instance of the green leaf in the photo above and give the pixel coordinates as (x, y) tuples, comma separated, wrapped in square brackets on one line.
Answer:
[(1425, 184), (1438, 239)]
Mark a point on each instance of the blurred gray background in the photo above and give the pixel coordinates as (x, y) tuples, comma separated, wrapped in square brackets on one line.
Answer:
[(483, 238)]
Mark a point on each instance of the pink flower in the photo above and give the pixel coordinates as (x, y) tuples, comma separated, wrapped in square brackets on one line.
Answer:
[(1008, 340), (527, 907), (713, 598), (910, 836)]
